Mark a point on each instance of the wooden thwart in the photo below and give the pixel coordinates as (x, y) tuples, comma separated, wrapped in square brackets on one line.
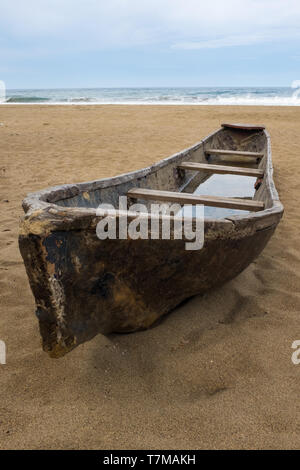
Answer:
[(221, 169), (234, 152), (185, 198)]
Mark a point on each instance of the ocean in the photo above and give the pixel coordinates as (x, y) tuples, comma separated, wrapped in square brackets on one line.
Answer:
[(276, 96)]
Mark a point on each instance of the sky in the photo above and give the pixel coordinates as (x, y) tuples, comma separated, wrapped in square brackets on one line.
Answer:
[(149, 43)]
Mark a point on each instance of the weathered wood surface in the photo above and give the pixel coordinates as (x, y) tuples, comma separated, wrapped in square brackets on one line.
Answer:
[(222, 169), (84, 286), (183, 198)]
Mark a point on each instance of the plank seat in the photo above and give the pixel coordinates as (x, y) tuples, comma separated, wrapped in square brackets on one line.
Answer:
[(186, 198), (222, 169), (241, 153)]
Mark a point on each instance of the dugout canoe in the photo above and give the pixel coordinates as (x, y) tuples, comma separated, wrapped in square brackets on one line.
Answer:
[(84, 286)]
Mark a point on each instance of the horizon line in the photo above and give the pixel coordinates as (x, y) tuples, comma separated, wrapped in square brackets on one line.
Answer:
[(148, 86)]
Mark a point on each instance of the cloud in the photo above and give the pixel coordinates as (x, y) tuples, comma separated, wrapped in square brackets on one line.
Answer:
[(238, 40), (226, 41), (179, 24)]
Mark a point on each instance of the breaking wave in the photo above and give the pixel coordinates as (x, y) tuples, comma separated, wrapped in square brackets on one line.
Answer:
[(26, 99)]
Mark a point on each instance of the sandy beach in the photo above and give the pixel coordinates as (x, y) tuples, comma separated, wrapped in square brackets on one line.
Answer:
[(217, 372)]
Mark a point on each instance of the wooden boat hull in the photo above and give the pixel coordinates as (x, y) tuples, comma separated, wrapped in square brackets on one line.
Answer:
[(84, 286)]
